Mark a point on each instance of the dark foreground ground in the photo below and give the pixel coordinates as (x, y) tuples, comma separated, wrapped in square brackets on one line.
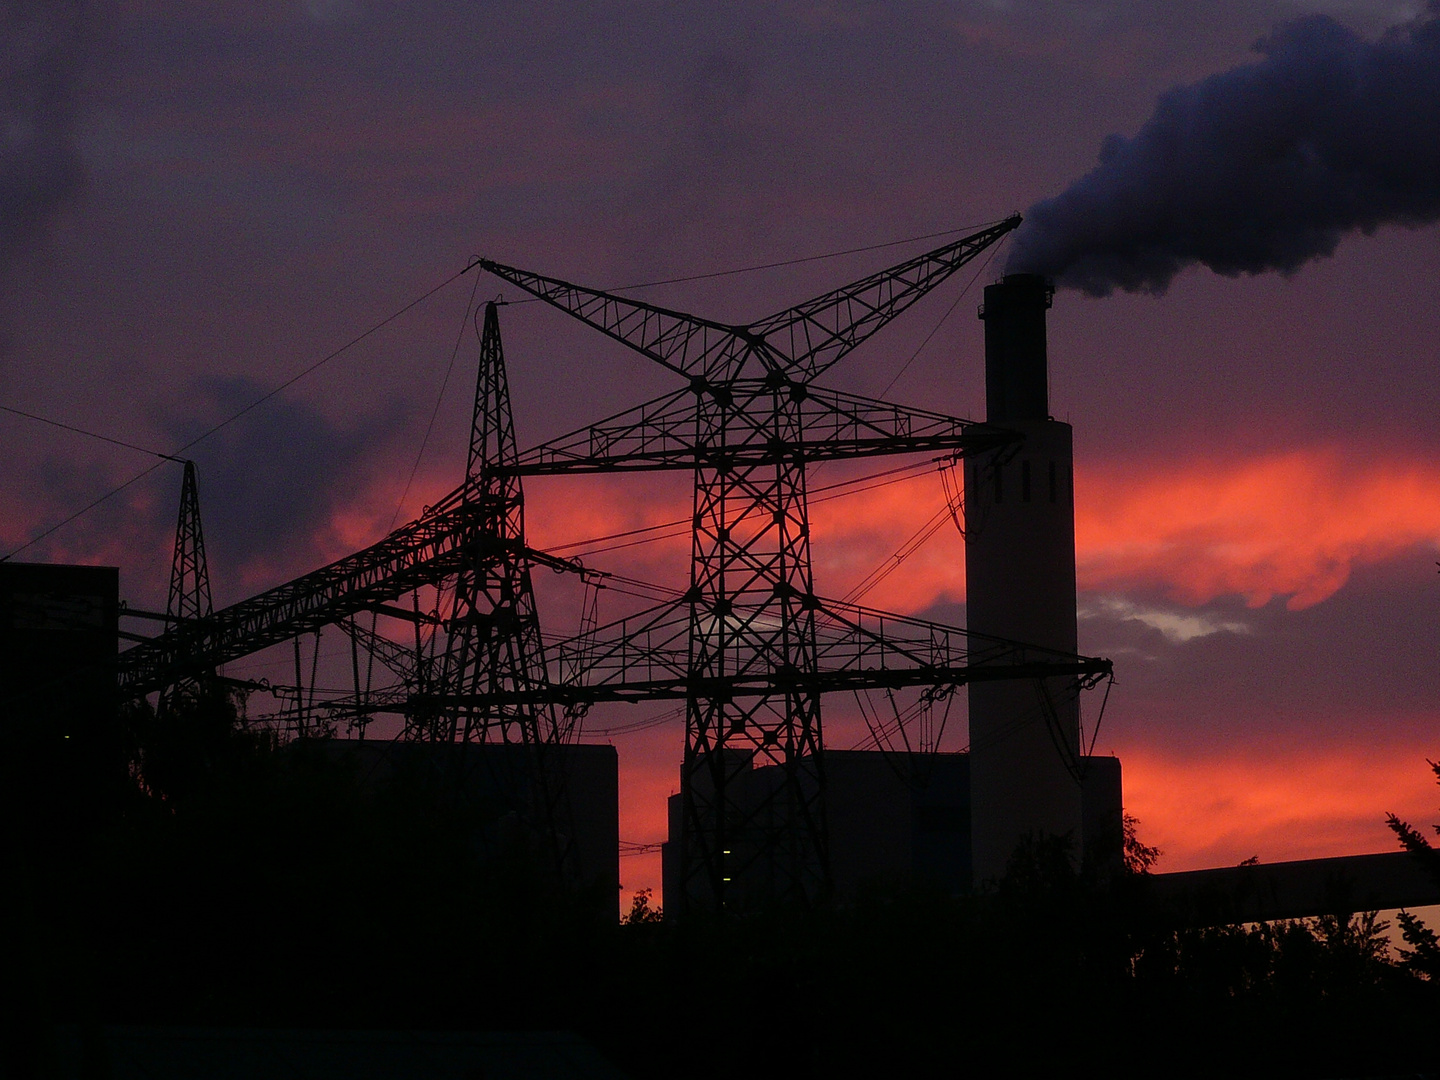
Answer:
[(244, 886)]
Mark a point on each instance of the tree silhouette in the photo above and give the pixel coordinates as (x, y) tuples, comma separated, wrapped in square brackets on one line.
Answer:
[(1423, 956)]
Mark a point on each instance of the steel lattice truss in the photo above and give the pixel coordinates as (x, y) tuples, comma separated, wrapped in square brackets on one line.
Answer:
[(421, 553), (661, 434), (800, 341), (487, 676), (747, 653), (470, 547), (492, 645), (748, 645), (646, 657), (189, 599)]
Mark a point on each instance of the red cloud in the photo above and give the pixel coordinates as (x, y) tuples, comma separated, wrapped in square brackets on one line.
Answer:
[(1293, 524), (1290, 524), (1310, 802)]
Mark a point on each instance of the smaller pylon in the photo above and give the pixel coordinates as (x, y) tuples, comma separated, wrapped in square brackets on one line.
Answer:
[(189, 601)]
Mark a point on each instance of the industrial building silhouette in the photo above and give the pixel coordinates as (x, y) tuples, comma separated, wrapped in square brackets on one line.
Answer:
[(945, 820)]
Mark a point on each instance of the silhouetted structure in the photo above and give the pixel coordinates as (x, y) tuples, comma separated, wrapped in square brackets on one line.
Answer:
[(64, 755), (1026, 771), (494, 786), (189, 598), (748, 645), (1295, 889), (747, 639), (896, 821), (492, 642)]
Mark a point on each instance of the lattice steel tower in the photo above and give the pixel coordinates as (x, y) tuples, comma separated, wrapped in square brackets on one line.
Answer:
[(189, 600), (493, 642)]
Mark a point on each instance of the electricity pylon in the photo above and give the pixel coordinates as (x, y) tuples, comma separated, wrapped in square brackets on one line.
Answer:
[(189, 602)]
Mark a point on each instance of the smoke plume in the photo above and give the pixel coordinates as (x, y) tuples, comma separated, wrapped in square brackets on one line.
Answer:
[(1264, 167), (40, 169)]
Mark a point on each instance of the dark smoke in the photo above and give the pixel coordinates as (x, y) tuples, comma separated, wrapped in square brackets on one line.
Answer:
[(1261, 168), (40, 169)]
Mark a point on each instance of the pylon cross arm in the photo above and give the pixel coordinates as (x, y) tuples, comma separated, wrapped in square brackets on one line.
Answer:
[(645, 657), (804, 339), (814, 335), (684, 343), (664, 433), (854, 638)]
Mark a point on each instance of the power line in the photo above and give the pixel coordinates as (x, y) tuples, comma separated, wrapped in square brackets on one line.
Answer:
[(331, 356), (82, 511), (893, 563), (430, 427), (87, 433), (782, 262), (944, 318), (630, 727)]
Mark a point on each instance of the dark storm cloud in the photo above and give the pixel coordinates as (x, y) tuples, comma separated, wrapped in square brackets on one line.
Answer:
[(1361, 665), (40, 168), (1264, 167), (271, 483)]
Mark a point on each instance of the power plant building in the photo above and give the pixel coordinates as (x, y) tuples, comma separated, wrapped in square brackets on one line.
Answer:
[(493, 786), (894, 821), (64, 758)]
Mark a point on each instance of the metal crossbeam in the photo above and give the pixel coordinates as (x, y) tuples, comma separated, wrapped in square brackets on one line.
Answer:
[(816, 334), (420, 553), (660, 434), (645, 657), (679, 341), (807, 338)]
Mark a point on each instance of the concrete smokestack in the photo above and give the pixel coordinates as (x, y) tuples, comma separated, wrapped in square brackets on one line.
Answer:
[(1016, 370), (1020, 584)]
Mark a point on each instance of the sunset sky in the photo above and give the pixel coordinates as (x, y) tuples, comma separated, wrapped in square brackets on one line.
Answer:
[(200, 200)]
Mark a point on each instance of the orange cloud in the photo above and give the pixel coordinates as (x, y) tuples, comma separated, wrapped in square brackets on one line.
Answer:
[(563, 511), (1290, 524), (1277, 803), (860, 535), (1294, 524)]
